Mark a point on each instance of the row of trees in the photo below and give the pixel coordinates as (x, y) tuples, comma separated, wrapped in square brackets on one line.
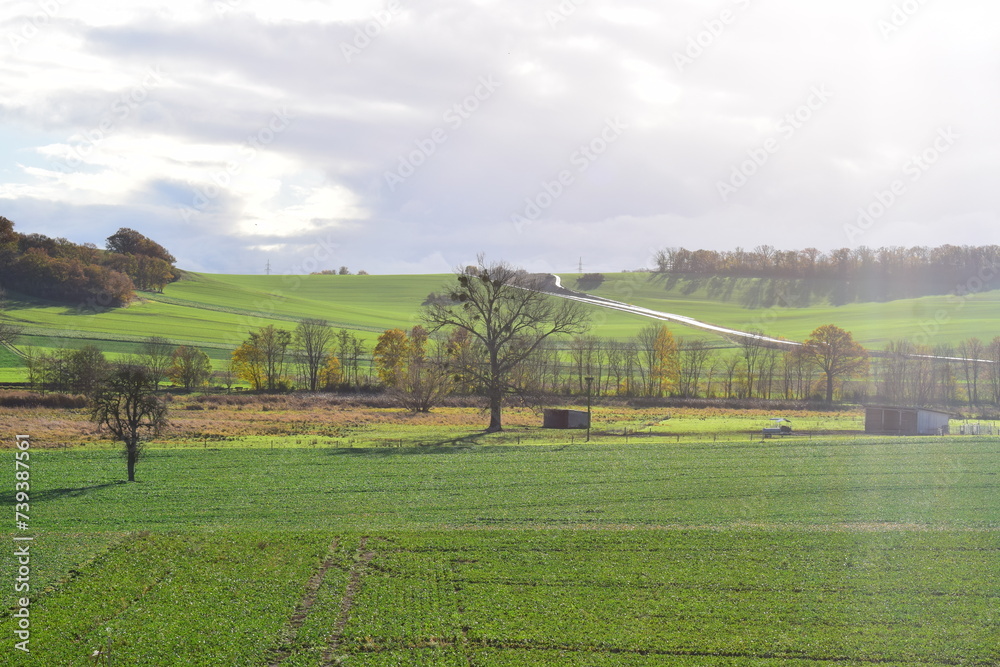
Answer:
[(312, 356), (84, 370), (893, 272), (342, 271), (61, 270), (910, 373), (654, 364), (829, 366)]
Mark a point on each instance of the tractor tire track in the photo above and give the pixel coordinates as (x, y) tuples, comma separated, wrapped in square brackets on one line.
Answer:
[(363, 558), (279, 655)]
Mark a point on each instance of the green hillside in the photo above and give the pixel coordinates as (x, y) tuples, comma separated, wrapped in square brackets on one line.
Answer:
[(215, 312), (740, 304)]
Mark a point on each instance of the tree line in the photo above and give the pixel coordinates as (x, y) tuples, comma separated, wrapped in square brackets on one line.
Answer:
[(884, 273), (419, 368), (55, 268), (85, 369)]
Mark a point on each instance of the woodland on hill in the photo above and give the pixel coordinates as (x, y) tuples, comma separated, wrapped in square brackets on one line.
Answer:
[(58, 269), (844, 275)]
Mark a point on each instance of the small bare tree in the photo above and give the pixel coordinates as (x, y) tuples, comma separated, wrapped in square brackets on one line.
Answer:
[(156, 353), (9, 331), (694, 356), (424, 384), (125, 403)]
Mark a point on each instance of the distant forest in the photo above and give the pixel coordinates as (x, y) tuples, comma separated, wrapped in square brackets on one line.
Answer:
[(60, 270), (798, 278)]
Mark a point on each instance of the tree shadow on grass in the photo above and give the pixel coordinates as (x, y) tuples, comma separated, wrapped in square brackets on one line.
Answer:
[(8, 499), (466, 443), (391, 448)]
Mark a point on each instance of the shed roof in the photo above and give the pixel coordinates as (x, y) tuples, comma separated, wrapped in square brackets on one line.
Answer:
[(909, 407)]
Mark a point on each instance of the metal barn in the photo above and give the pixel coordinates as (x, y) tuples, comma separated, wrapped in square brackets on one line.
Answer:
[(890, 420), (565, 419)]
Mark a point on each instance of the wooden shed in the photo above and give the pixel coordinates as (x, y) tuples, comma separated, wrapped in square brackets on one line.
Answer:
[(892, 420), (565, 419)]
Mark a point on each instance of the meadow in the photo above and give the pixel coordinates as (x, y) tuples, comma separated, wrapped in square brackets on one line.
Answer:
[(323, 530), (691, 551)]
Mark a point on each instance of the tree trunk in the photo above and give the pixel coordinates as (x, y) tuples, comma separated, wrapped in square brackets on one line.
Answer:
[(132, 456), (829, 388), (495, 424)]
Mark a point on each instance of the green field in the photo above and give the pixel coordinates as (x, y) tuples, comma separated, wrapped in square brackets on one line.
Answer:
[(775, 552), (215, 312)]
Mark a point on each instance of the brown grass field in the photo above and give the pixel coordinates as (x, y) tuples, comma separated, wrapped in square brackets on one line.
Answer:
[(332, 420)]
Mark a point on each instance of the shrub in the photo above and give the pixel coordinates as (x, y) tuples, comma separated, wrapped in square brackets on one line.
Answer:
[(590, 281), (35, 400)]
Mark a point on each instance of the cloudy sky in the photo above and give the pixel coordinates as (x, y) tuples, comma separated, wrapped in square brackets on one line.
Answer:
[(408, 136)]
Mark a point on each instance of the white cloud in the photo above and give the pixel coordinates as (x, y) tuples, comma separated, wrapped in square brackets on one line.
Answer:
[(174, 151)]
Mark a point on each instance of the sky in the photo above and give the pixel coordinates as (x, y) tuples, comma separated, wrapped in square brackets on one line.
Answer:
[(411, 136)]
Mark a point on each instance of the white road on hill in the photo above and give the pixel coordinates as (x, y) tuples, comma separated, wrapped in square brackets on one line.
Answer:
[(583, 297)]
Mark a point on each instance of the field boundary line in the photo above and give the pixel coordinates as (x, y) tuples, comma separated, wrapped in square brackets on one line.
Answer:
[(362, 559), (76, 570), (167, 572), (539, 646), (298, 617), (246, 312), (456, 582)]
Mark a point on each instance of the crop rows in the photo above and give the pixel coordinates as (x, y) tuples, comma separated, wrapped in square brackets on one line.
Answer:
[(757, 554), (584, 597), (171, 599), (482, 597)]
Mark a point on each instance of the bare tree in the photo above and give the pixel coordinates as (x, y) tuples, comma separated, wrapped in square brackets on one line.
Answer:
[(945, 383), (156, 353), (694, 355), (752, 346), (798, 372), (350, 349), (767, 369), (972, 351), (730, 369), (125, 403), (9, 332), (503, 309), (993, 369), (264, 353), (895, 371), (426, 379), (586, 354), (312, 339)]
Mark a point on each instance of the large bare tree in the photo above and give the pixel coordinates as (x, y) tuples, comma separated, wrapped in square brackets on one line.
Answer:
[(508, 317)]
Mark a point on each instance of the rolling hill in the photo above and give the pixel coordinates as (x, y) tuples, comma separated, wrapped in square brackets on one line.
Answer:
[(215, 312)]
